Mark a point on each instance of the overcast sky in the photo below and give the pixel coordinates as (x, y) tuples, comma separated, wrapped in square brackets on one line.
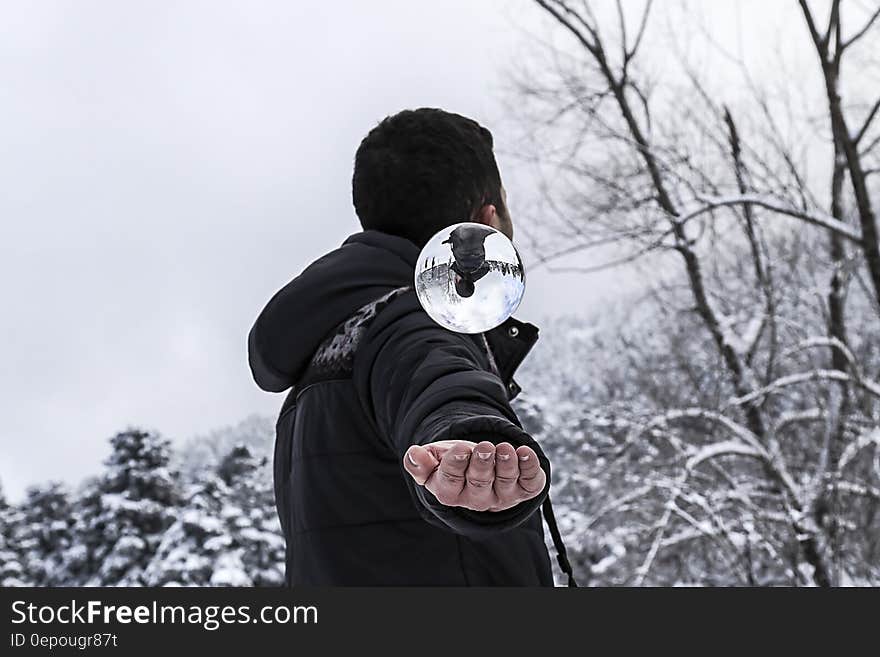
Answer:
[(166, 166)]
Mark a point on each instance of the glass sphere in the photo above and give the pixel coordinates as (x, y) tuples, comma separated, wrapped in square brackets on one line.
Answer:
[(469, 278)]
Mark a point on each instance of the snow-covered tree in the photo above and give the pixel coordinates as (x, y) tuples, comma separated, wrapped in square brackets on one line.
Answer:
[(12, 570), (190, 547), (253, 547), (121, 516), (731, 413), (205, 452), (44, 533), (638, 432), (226, 532)]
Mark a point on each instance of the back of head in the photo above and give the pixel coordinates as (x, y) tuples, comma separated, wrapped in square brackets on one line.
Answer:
[(422, 170)]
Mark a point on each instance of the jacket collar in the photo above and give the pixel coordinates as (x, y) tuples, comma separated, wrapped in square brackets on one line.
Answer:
[(510, 343)]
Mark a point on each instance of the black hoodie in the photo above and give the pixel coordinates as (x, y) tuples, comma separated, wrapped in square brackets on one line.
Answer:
[(372, 374)]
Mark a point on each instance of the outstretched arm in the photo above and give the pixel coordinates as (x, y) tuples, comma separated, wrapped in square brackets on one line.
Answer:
[(468, 463)]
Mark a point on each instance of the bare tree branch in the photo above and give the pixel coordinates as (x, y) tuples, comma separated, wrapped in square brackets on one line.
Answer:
[(860, 33), (871, 114), (814, 218), (640, 33)]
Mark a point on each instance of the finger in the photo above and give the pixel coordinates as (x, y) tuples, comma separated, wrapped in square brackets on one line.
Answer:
[(438, 449), (419, 463), (531, 476), (480, 477), (506, 472), (448, 479)]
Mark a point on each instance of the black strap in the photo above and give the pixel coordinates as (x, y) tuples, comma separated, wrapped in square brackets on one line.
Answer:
[(561, 555)]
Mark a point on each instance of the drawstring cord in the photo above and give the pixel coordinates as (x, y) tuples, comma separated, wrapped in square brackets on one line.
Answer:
[(561, 554)]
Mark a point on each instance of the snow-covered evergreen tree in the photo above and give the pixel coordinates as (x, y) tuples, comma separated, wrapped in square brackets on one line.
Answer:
[(253, 553), (206, 452), (44, 533), (188, 552), (226, 533), (121, 516), (12, 571)]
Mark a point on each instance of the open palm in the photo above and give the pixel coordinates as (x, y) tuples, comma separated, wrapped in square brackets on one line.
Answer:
[(477, 476)]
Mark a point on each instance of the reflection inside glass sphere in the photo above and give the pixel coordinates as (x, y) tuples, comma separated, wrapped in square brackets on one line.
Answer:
[(469, 278)]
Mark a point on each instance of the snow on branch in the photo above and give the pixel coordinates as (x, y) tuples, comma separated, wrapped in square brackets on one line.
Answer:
[(745, 436), (752, 332), (791, 417), (822, 341), (662, 525), (686, 535), (735, 428), (857, 489), (820, 219), (742, 344), (804, 377), (618, 503), (863, 441), (723, 448)]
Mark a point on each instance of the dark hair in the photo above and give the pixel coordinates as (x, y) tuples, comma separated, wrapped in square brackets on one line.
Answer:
[(422, 170)]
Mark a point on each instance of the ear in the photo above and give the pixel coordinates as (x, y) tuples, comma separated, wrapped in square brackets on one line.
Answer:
[(488, 216)]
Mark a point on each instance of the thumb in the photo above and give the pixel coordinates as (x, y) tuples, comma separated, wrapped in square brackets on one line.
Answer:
[(419, 463)]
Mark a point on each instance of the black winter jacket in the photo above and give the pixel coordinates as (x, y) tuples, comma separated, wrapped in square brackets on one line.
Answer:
[(372, 374)]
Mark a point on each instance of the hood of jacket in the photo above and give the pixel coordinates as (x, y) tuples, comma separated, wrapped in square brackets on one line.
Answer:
[(301, 314)]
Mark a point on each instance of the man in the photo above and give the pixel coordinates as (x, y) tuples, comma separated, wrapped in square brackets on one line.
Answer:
[(468, 244), (398, 458)]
